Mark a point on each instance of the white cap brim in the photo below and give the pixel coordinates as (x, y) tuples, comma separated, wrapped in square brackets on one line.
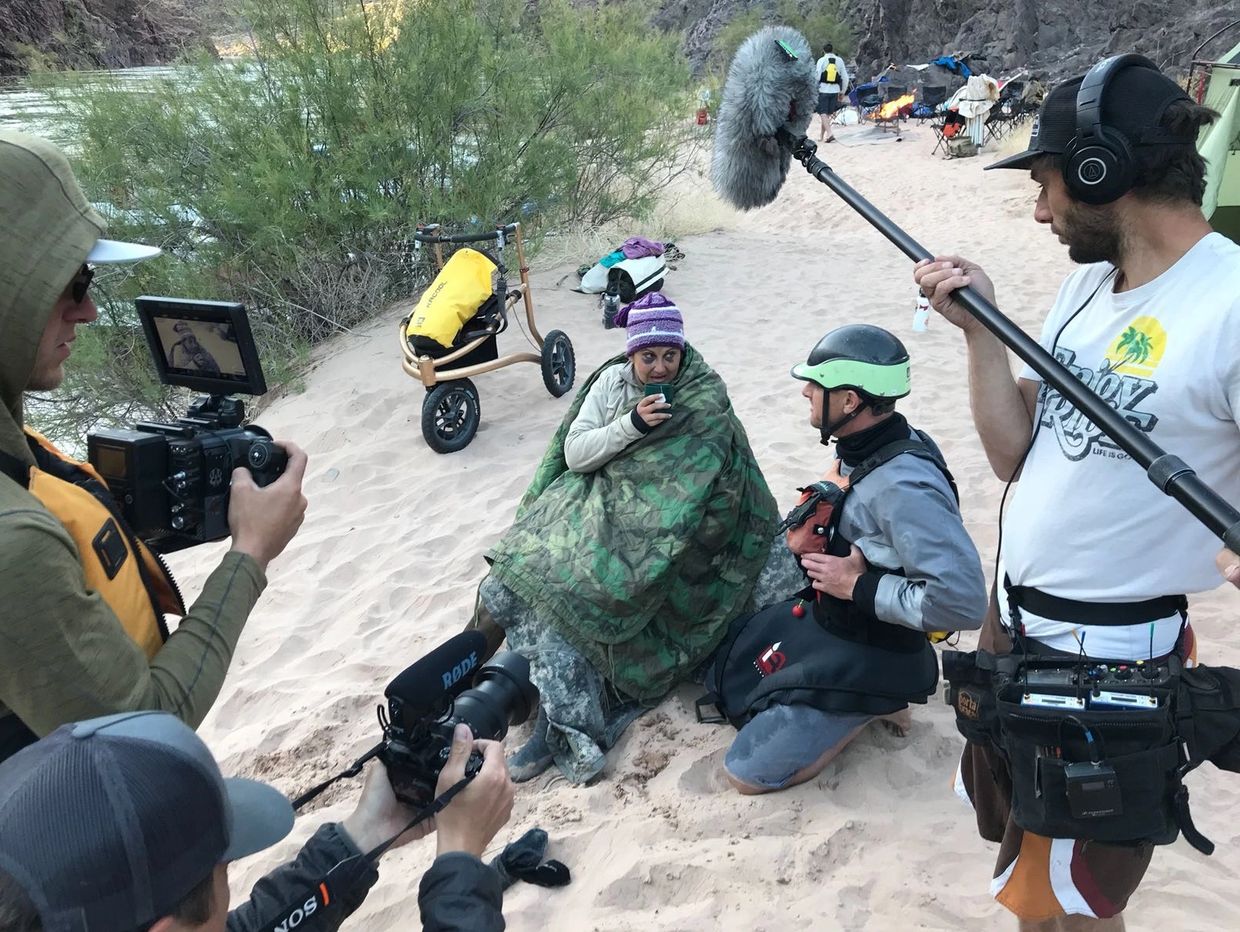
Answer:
[(114, 252)]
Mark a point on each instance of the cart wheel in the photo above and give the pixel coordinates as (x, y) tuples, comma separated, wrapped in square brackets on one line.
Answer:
[(450, 415), (559, 364)]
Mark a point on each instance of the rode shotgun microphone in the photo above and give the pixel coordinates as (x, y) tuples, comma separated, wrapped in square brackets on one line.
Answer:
[(427, 683), (424, 687), (743, 175)]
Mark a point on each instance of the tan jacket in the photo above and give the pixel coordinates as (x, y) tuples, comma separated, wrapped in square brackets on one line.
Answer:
[(604, 425)]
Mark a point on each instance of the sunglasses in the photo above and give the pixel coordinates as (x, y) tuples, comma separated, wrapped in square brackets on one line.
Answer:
[(81, 282)]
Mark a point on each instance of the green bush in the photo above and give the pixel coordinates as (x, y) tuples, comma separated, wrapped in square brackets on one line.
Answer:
[(293, 182)]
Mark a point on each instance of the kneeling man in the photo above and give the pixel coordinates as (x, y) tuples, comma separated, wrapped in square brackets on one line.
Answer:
[(890, 565)]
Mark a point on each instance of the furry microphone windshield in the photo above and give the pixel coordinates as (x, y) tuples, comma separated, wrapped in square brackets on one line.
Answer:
[(771, 86)]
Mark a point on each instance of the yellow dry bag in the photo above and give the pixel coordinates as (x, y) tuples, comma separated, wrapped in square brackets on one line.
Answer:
[(455, 295)]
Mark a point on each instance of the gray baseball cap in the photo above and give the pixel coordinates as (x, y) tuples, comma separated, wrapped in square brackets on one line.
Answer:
[(108, 824)]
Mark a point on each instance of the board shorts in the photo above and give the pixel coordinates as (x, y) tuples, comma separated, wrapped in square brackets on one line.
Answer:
[(828, 103)]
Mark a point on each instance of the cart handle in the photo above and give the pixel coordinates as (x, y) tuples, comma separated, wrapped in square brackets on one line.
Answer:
[(427, 234)]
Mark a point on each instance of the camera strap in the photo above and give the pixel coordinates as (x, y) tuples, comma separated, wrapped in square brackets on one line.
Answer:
[(354, 769), (436, 807)]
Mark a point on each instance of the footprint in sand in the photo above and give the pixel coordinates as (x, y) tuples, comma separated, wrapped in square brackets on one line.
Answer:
[(329, 441), (856, 904), (659, 883), (704, 777)]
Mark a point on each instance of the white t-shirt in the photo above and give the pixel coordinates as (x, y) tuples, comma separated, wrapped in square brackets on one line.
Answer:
[(1085, 522), (838, 87)]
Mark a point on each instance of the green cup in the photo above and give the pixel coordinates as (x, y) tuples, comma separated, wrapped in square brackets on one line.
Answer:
[(656, 388)]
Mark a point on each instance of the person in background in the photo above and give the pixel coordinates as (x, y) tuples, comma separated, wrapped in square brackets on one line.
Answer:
[(832, 86)]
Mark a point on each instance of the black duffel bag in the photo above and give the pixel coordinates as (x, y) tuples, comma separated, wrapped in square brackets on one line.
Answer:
[(779, 657)]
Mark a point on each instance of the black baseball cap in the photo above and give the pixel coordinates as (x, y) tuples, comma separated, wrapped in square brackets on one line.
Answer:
[(1135, 101), (108, 824)]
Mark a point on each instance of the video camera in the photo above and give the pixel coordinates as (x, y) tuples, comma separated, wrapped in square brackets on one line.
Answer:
[(172, 480), (428, 699)]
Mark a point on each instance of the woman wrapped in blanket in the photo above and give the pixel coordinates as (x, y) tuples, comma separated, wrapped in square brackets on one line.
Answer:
[(648, 526)]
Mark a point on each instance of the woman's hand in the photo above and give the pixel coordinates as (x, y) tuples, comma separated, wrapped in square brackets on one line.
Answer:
[(653, 410)]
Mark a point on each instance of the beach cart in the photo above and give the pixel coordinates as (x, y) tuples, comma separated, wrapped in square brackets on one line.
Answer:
[(450, 335)]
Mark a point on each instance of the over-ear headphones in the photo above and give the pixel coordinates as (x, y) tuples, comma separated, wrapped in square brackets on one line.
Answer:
[(1098, 165)]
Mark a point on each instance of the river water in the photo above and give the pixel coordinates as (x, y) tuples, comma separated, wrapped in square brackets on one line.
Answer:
[(27, 104)]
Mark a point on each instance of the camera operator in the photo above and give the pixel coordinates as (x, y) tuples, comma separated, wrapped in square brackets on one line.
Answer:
[(1095, 560), (83, 632), (145, 826)]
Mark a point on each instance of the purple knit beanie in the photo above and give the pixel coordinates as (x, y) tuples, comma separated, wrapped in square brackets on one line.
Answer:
[(651, 320)]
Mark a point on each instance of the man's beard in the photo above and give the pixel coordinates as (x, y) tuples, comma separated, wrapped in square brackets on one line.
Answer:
[(1093, 234), (45, 382)]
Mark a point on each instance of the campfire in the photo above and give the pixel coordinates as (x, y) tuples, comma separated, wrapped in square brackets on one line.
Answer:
[(891, 109)]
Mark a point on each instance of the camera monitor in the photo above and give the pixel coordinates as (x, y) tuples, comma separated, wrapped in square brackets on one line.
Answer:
[(204, 346)]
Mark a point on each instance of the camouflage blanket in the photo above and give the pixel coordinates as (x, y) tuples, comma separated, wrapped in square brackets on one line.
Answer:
[(642, 564)]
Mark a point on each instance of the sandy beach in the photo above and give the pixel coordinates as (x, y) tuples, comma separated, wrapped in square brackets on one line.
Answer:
[(388, 561)]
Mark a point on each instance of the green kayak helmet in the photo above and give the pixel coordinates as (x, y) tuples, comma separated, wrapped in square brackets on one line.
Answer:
[(867, 359)]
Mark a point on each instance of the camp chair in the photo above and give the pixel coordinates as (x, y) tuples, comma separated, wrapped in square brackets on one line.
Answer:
[(1008, 112), (942, 133), (999, 121), (865, 98), (930, 98)]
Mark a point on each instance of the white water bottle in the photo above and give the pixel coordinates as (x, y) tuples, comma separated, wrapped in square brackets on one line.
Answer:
[(921, 315)]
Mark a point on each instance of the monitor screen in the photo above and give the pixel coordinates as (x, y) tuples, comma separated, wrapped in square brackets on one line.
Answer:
[(202, 345), (199, 347)]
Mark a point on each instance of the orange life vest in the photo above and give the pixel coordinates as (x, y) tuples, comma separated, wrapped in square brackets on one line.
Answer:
[(809, 524), (133, 581)]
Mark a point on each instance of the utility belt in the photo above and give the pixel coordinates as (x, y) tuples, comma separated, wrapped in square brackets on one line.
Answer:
[(1091, 613), (1096, 749)]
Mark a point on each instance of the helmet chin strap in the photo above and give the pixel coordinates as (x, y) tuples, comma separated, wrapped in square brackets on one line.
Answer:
[(828, 430)]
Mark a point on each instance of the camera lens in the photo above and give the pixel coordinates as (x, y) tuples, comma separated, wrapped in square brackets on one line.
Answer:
[(502, 695)]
